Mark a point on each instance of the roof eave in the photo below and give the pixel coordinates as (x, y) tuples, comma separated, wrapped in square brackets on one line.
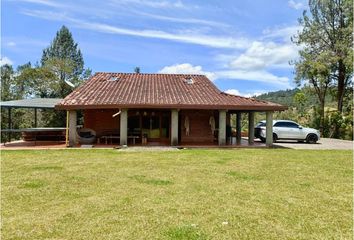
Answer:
[(173, 106)]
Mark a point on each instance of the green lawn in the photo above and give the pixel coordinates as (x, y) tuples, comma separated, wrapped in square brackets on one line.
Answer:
[(186, 194)]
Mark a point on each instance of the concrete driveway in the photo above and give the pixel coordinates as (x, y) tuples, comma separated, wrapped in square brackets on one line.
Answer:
[(324, 143)]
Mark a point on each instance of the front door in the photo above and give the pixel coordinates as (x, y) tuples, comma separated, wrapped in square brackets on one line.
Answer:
[(151, 127), (156, 126)]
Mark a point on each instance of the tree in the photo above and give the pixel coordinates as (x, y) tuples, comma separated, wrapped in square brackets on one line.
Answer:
[(7, 82), (64, 60), (313, 68), (300, 100), (329, 29), (137, 69)]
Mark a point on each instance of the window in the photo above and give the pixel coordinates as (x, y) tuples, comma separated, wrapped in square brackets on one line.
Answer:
[(113, 79), (189, 80), (286, 124), (261, 124)]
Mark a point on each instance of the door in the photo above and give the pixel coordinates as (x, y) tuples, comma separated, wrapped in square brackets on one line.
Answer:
[(151, 127), (287, 130)]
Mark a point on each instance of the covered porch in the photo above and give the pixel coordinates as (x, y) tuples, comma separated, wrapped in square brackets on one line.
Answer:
[(169, 127)]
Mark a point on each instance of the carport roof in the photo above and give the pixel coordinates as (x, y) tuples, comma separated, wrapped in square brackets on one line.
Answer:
[(31, 103)]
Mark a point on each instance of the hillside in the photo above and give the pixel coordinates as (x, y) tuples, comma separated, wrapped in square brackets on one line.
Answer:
[(285, 97)]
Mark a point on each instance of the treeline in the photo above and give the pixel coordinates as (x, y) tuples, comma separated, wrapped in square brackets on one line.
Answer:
[(59, 71), (303, 107), (323, 72), (325, 66)]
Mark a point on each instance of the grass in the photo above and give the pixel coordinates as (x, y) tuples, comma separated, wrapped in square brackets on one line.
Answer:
[(186, 194)]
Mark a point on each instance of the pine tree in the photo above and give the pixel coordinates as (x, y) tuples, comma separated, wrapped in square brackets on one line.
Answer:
[(64, 59), (328, 30)]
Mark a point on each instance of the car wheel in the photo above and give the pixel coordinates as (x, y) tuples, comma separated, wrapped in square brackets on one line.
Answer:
[(275, 137), (311, 138)]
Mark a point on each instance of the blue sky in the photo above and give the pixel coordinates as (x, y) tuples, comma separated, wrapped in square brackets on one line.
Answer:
[(243, 46)]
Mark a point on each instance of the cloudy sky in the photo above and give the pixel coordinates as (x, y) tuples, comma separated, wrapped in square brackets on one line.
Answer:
[(243, 46)]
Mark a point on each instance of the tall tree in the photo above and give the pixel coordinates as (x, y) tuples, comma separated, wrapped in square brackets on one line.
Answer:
[(317, 72), (329, 29), (7, 82), (64, 59)]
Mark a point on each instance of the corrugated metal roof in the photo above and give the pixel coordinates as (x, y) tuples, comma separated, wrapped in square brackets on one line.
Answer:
[(136, 90), (32, 103)]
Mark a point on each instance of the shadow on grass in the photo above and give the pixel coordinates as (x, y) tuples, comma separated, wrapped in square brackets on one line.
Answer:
[(34, 184), (47, 168), (185, 232), (152, 181), (242, 176)]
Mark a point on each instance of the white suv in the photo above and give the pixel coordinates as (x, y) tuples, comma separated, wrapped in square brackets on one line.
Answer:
[(287, 130)]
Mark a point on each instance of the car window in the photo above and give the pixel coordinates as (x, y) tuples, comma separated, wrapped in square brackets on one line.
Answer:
[(280, 124), (261, 124), (292, 125), (286, 124)]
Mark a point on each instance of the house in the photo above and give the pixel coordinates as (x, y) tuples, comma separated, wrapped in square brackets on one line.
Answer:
[(160, 109)]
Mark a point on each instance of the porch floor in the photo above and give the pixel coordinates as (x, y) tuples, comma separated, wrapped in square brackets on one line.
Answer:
[(20, 144)]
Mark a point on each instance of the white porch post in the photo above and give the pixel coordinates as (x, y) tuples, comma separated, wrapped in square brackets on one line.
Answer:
[(269, 128), (222, 127), (72, 128), (123, 127), (238, 128), (251, 128), (174, 127)]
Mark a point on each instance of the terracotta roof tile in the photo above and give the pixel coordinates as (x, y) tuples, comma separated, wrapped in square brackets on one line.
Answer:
[(136, 90)]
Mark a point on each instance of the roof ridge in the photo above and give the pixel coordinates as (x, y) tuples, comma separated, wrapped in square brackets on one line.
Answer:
[(182, 74)]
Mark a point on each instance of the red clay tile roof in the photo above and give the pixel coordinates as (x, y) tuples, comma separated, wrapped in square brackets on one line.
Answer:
[(132, 90)]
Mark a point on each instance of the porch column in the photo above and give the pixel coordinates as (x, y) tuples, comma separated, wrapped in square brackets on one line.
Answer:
[(72, 128), (9, 125), (174, 127), (123, 127), (251, 128), (35, 117), (238, 128), (269, 129), (222, 127)]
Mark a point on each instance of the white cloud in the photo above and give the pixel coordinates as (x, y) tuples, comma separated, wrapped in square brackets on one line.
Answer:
[(187, 68), (187, 37), (283, 33), (5, 60), (258, 76), (11, 44), (42, 2), (296, 5), (183, 20), (252, 59), (233, 92), (265, 54), (153, 4), (238, 93), (254, 75)]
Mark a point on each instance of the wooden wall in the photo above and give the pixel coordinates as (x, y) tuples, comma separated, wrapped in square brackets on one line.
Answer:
[(199, 128), (200, 132), (101, 120)]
